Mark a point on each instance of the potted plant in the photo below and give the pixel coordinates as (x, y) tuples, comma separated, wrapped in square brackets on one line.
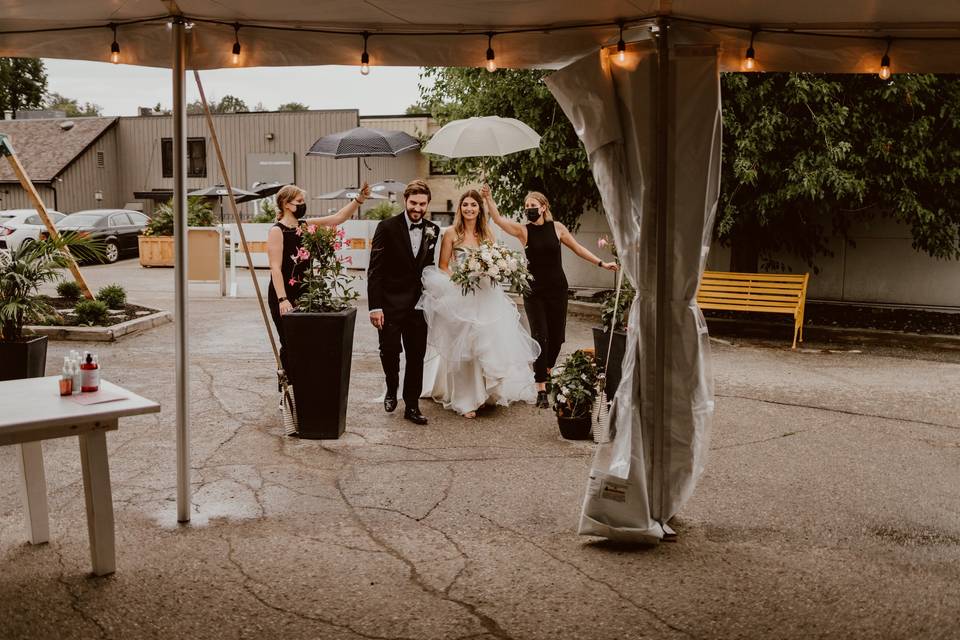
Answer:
[(613, 313), (319, 335), (156, 242), (22, 272), (573, 393)]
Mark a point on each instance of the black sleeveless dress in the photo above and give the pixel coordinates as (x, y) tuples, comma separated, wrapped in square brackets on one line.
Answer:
[(291, 270), (546, 304)]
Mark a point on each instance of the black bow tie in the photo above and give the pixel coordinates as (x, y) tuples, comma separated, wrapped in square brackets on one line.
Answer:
[(416, 225)]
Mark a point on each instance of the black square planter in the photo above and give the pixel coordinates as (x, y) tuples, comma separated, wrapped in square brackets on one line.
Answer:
[(319, 353), (601, 340), (26, 359)]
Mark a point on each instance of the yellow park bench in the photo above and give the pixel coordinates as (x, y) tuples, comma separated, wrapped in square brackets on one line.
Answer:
[(762, 292)]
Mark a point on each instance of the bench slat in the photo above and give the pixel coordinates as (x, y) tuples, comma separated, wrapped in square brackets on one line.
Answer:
[(733, 291), (738, 307), (784, 277)]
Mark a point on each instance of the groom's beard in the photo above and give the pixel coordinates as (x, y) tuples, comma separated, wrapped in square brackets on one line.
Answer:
[(415, 216)]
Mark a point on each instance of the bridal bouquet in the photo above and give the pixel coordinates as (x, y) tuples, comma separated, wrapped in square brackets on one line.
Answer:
[(493, 262)]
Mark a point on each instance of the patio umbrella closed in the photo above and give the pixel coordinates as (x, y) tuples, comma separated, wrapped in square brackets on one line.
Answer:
[(347, 193), (220, 191), (262, 190), (362, 142)]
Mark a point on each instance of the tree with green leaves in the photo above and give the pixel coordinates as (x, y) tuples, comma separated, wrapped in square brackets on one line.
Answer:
[(229, 104), (23, 83), (293, 106), (559, 168), (807, 155), (71, 107)]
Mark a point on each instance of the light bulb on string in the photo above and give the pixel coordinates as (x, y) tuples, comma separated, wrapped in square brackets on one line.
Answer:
[(236, 44), (750, 59), (491, 62), (114, 46), (885, 63), (365, 57), (621, 46)]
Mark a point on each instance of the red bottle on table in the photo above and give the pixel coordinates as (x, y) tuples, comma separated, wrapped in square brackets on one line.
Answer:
[(89, 373)]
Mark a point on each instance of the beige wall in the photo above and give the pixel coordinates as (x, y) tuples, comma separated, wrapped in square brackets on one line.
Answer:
[(12, 196), (84, 177)]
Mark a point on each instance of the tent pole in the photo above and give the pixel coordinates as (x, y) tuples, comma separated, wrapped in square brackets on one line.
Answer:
[(664, 293), (180, 270)]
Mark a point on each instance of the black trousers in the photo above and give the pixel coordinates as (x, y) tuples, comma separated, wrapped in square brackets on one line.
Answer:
[(278, 323), (547, 318), (404, 331)]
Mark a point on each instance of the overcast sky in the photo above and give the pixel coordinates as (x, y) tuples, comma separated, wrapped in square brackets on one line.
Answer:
[(120, 89)]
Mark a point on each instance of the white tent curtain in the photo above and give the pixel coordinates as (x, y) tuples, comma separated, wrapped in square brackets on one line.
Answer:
[(646, 473)]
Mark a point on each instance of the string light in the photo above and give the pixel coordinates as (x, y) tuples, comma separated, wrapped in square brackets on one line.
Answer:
[(236, 43), (621, 46), (491, 63), (114, 47), (885, 62), (750, 60), (365, 57)]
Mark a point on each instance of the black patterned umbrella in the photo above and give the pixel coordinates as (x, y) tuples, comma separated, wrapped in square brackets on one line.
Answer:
[(362, 142)]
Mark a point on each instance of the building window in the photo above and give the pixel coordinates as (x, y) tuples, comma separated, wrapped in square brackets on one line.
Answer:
[(196, 157), (100, 160)]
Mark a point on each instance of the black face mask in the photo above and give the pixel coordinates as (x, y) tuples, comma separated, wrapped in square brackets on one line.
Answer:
[(532, 213), (301, 210)]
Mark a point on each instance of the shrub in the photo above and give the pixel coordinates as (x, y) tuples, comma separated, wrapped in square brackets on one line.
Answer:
[(382, 211), (574, 385), (69, 290), (607, 310), (91, 312), (112, 295), (199, 214), (267, 213)]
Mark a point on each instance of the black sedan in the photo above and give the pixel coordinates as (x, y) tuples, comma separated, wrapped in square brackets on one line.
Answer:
[(117, 229)]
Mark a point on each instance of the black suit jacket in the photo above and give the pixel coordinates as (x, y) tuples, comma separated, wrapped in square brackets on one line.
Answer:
[(393, 279)]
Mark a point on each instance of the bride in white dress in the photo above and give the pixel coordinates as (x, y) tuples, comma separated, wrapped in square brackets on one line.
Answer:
[(478, 352)]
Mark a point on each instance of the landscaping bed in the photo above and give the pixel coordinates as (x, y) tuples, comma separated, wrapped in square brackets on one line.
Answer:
[(124, 313)]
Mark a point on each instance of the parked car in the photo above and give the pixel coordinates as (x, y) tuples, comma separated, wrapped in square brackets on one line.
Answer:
[(22, 225), (118, 229)]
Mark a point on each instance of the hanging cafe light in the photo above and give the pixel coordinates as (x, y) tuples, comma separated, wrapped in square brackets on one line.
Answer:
[(491, 63), (885, 62), (621, 46), (750, 60), (365, 57), (236, 43), (114, 47)]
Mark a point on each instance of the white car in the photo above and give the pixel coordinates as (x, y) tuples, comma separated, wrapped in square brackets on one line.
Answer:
[(22, 225)]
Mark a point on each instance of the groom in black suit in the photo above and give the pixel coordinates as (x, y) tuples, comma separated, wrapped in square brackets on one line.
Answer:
[(402, 246)]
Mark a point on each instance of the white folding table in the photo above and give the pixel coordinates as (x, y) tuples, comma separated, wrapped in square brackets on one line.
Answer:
[(32, 410)]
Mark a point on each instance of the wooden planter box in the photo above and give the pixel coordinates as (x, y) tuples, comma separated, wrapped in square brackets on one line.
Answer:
[(203, 252)]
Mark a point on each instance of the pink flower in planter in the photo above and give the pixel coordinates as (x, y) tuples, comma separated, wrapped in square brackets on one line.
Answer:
[(347, 260), (341, 233), (312, 228), (337, 245), (292, 281), (300, 230), (602, 242), (303, 254)]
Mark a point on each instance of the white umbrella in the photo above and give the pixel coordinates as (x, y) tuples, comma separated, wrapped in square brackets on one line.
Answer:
[(484, 136)]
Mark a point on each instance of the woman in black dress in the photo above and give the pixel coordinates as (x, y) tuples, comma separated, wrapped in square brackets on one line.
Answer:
[(546, 304), (283, 242)]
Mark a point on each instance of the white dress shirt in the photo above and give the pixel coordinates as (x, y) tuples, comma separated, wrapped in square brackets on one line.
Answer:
[(416, 235)]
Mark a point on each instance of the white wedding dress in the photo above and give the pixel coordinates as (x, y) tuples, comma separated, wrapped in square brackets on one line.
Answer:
[(477, 351)]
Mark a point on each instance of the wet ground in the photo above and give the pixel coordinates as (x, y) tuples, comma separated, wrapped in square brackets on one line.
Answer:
[(828, 509)]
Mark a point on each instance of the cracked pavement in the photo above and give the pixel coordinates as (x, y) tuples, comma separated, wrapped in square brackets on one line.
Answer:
[(830, 507)]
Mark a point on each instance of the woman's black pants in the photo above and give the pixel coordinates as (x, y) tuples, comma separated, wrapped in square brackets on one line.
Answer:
[(547, 318)]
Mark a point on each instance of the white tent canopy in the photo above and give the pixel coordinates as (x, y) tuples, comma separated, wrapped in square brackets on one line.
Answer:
[(643, 123), (531, 33)]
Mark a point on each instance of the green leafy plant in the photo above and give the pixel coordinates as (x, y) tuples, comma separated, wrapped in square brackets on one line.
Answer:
[(91, 312), (69, 290), (327, 286), (382, 211), (267, 212), (199, 214), (574, 385), (611, 307), (112, 295), (24, 270)]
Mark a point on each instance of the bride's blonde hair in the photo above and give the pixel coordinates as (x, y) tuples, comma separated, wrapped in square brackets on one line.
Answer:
[(484, 232)]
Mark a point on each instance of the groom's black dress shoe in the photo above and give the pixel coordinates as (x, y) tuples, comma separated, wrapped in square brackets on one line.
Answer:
[(414, 416), (389, 403)]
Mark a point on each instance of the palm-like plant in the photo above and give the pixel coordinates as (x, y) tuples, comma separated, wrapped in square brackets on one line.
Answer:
[(24, 270)]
